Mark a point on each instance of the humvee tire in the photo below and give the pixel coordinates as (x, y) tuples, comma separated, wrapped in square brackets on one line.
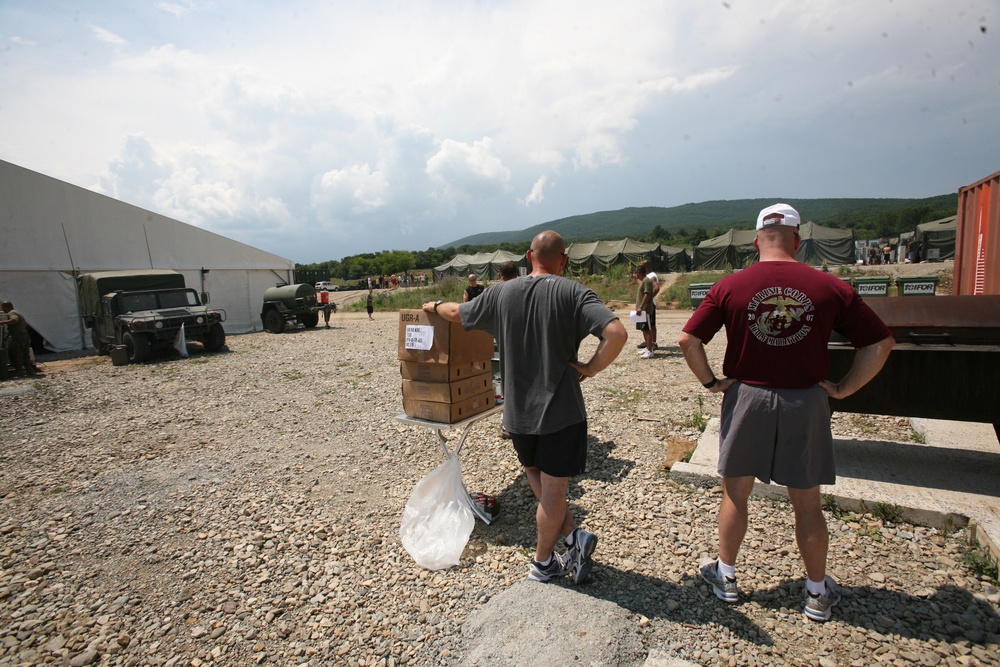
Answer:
[(215, 338), (136, 347)]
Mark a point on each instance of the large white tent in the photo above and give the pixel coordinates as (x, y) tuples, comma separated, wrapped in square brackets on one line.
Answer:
[(51, 231)]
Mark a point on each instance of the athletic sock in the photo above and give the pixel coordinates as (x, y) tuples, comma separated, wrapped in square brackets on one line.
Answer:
[(569, 538), (545, 563), (816, 588), (727, 571)]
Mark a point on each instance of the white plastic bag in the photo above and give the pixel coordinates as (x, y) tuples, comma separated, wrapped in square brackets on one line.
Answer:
[(180, 342), (437, 520)]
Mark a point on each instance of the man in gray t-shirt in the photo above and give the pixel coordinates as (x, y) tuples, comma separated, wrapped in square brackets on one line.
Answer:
[(539, 321)]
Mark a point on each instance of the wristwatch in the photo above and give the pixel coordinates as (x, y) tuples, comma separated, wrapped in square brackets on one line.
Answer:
[(436, 304), (709, 385)]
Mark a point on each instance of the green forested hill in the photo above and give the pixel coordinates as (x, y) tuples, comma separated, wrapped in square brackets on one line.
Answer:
[(879, 217)]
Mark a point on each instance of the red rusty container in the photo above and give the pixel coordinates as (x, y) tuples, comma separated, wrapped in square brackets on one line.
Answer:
[(977, 240)]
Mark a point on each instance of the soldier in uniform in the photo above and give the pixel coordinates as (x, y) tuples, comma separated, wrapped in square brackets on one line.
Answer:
[(20, 342)]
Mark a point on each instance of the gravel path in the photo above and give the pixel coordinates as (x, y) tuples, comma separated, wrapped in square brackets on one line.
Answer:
[(242, 508)]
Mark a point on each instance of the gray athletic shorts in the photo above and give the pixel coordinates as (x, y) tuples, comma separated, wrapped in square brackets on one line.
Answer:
[(777, 434)]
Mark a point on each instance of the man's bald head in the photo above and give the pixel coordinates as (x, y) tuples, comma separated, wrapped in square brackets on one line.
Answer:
[(548, 246)]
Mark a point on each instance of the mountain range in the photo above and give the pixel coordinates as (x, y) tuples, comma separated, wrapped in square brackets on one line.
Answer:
[(715, 215)]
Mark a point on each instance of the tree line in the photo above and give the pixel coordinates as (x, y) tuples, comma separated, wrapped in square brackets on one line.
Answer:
[(388, 262)]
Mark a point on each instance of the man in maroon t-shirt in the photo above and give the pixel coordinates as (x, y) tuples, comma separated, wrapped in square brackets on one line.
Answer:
[(775, 420)]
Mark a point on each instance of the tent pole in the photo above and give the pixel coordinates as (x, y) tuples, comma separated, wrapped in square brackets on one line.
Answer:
[(76, 289)]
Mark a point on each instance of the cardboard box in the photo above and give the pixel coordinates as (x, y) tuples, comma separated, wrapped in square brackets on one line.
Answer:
[(448, 413), (429, 338), (448, 392), (412, 370)]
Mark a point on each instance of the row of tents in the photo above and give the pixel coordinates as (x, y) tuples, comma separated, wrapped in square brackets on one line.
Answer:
[(732, 250), (592, 258)]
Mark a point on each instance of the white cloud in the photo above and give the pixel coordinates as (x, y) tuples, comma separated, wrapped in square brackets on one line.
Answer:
[(183, 187), (357, 187), (108, 37), (464, 171), (176, 9), (700, 80), (537, 194)]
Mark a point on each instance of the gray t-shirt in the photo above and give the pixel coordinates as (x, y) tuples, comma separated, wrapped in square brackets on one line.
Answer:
[(539, 324)]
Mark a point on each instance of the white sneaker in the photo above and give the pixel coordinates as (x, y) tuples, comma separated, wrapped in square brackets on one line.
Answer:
[(647, 354)]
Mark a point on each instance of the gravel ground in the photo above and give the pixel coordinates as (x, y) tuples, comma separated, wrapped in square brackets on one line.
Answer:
[(242, 508)]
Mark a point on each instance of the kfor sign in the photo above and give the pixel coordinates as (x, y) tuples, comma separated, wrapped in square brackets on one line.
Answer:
[(913, 288), (876, 288)]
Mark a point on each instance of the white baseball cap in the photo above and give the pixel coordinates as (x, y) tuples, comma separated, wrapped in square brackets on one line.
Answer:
[(779, 214)]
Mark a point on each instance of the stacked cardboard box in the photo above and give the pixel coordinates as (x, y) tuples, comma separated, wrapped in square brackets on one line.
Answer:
[(445, 369)]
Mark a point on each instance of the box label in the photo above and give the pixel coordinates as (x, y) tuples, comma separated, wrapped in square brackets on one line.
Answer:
[(419, 337), (699, 293)]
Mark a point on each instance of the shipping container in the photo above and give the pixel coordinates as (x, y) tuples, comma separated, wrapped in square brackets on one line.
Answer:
[(977, 241)]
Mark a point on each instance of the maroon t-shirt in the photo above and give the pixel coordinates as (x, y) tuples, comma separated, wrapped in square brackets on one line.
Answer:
[(778, 318)]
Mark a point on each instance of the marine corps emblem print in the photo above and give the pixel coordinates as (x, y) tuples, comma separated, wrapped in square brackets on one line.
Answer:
[(780, 316)]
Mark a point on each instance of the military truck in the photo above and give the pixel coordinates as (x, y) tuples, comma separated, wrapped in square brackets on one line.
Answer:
[(289, 304), (144, 310)]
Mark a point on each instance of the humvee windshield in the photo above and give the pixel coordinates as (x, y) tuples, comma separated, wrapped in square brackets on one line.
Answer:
[(178, 299), (155, 300), (134, 302)]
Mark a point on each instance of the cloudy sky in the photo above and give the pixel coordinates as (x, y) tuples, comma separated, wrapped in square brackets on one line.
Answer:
[(321, 129)]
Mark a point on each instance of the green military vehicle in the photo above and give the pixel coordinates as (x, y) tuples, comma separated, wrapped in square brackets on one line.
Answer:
[(289, 304), (144, 310)]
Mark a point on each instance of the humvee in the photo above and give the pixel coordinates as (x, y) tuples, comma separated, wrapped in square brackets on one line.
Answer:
[(144, 310)]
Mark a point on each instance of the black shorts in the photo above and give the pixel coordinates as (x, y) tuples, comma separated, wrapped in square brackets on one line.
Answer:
[(559, 454), (370, 309), (650, 322)]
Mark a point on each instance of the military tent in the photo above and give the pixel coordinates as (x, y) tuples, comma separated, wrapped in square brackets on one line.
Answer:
[(735, 249), (486, 265), (672, 260), (596, 257), (732, 250), (829, 244), (937, 238), (54, 231)]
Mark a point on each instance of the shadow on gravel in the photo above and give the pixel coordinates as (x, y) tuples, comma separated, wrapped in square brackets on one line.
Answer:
[(950, 614), (678, 602), (668, 351), (517, 504), (602, 466)]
